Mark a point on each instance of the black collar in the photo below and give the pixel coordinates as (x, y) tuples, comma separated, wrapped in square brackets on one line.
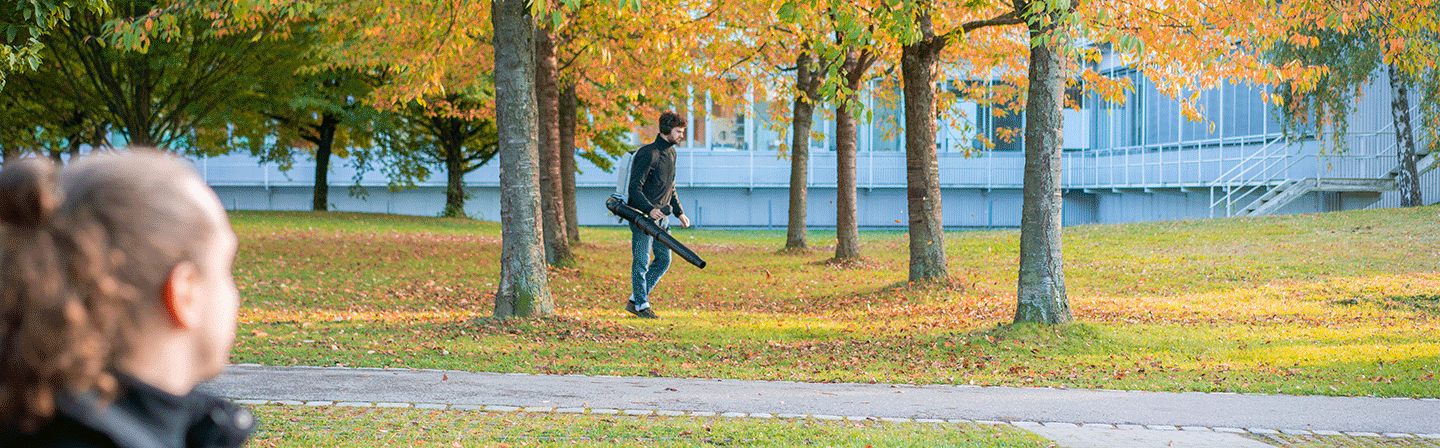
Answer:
[(144, 416), (661, 142)]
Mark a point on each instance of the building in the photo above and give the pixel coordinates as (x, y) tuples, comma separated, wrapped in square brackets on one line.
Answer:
[(1139, 161)]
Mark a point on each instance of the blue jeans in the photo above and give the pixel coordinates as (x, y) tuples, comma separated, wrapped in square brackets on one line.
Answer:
[(644, 272)]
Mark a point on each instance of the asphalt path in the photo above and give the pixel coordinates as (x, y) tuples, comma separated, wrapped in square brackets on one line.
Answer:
[(1000, 404)]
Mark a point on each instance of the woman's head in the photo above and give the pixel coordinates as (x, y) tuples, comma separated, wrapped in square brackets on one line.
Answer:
[(102, 263)]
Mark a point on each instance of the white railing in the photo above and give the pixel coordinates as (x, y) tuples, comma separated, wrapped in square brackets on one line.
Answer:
[(1365, 155)]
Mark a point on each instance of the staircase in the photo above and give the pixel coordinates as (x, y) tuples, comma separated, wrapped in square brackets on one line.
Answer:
[(1289, 190), (1278, 196)]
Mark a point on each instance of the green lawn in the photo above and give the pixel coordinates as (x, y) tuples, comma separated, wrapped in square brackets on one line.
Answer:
[(1337, 304), (332, 426)]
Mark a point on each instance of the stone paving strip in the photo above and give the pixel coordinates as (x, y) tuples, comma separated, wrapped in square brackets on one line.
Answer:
[(1073, 418)]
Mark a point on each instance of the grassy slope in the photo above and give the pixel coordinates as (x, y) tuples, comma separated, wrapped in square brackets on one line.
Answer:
[(1340, 303)]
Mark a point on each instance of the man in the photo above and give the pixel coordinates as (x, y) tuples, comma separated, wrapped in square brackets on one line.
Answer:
[(652, 191)]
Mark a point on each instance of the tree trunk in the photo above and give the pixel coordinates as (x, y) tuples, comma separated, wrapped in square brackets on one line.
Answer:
[(922, 169), (74, 150), (324, 147), (847, 230), (453, 144), (1041, 289), (1408, 178), (552, 190), (138, 120), (524, 288), (804, 118), (567, 160)]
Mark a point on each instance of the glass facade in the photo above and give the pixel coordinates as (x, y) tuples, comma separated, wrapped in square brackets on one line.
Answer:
[(1146, 118)]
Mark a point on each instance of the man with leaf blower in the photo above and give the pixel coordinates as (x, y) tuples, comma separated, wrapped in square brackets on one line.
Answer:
[(651, 193)]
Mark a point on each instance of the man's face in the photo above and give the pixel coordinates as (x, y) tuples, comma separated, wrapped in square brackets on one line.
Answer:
[(676, 134)]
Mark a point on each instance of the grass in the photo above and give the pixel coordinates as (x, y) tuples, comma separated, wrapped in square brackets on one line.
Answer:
[(1333, 304), (1316, 441), (332, 426)]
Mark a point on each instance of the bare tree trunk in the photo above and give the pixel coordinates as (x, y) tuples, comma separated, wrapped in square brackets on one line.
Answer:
[(567, 160), (802, 121), (1408, 179), (1041, 289), (847, 230), (454, 146), (524, 288), (552, 190), (922, 170), (324, 148)]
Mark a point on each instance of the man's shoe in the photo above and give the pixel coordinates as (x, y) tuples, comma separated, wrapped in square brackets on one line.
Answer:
[(630, 308), (647, 313)]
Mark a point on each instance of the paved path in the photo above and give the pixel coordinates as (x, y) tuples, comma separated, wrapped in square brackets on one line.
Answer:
[(1071, 417)]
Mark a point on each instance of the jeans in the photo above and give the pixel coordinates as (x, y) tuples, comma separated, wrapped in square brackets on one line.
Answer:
[(644, 272)]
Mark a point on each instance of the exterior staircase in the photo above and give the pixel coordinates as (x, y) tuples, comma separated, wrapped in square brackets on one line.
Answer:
[(1287, 191)]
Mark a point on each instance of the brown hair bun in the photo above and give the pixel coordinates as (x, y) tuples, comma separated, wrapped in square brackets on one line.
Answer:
[(27, 192)]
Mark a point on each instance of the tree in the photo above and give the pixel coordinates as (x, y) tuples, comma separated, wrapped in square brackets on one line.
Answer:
[(862, 50), (847, 111), (809, 75), (1041, 294), (159, 72), (567, 122), (322, 113), (1352, 57), (552, 184), (23, 23), (451, 132), (42, 117), (524, 286), (920, 57)]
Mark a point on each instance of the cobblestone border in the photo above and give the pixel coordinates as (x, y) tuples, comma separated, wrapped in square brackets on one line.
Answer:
[(855, 418)]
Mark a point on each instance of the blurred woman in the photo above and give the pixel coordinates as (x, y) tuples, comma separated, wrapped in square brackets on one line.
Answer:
[(116, 299)]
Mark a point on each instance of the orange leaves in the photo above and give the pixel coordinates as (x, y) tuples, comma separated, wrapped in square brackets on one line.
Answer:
[(1303, 40)]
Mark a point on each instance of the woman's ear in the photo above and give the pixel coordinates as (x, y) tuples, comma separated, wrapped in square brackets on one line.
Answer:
[(178, 296)]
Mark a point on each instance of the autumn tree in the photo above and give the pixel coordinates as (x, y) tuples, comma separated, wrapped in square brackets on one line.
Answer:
[(1353, 52), (524, 286), (854, 33), (783, 45), (1040, 295), (921, 49), (552, 184), (809, 75)]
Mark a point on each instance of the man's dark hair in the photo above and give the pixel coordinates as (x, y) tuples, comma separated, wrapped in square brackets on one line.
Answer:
[(670, 120)]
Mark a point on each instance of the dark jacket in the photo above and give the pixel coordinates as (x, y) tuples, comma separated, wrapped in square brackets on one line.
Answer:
[(141, 417), (652, 178)]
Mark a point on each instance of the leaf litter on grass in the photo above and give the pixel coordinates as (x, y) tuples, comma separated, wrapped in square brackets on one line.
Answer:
[(1270, 299)]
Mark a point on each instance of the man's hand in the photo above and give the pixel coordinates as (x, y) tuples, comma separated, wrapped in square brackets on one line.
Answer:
[(684, 220), (656, 214)]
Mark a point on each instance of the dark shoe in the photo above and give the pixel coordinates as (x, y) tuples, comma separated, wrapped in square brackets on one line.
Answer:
[(643, 314)]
